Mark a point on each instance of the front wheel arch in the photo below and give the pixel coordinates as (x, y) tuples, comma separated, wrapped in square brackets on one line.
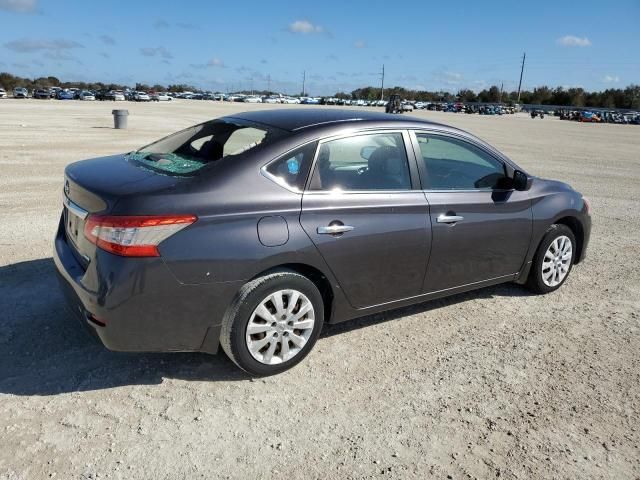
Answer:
[(578, 232)]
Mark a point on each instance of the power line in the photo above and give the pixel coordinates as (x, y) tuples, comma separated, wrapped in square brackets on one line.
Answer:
[(304, 79)]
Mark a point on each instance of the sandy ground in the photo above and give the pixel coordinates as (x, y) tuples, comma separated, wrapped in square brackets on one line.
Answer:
[(495, 383)]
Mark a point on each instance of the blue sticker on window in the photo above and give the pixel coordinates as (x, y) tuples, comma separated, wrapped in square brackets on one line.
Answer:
[(293, 166)]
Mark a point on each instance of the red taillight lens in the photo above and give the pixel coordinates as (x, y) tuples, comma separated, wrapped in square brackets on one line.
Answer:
[(587, 204), (134, 236)]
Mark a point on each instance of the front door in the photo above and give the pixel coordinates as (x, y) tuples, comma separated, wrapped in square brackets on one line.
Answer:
[(481, 228), (368, 223)]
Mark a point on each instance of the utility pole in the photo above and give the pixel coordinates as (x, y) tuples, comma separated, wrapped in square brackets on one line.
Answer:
[(304, 78), (501, 89), (382, 86), (269, 84), (524, 56)]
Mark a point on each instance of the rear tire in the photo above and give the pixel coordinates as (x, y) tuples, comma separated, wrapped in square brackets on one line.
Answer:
[(285, 312), (553, 260)]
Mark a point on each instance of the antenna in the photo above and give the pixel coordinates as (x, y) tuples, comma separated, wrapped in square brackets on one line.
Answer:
[(524, 56)]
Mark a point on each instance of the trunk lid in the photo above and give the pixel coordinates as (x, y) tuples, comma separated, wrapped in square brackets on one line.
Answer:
[(95, 186)]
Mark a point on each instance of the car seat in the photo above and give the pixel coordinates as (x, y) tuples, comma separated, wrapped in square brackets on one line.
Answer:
[(387, 170)]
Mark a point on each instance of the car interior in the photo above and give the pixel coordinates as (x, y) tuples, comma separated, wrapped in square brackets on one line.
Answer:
[(379, 165)]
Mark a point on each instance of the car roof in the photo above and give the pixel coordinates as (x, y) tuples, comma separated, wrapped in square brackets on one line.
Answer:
[(298, 119)]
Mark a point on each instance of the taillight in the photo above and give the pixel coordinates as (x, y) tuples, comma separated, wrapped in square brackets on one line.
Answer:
[(587, 204), (134, 236)]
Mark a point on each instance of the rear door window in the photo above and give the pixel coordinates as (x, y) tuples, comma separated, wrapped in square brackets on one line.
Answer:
[(362, 162)]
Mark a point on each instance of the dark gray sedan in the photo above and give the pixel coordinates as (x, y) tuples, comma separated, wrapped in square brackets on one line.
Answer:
[(251, 231)]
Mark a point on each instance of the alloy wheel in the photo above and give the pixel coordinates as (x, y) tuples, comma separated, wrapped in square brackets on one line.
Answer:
[(557, 261), (280, 326)]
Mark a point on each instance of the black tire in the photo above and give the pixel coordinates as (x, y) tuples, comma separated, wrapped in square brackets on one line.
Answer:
[(535, 282), (236, 319)]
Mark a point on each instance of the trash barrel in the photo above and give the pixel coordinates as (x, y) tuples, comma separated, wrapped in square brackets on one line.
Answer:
[(120, 118)]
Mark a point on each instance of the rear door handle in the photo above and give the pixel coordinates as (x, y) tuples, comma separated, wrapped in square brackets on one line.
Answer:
[(449, 218), (334, 229)]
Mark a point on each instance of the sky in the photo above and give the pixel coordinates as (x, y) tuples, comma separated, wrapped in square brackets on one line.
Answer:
[(340, 44)]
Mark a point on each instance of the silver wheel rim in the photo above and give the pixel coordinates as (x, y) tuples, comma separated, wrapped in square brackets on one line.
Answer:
[(280, 327), (557, 260)]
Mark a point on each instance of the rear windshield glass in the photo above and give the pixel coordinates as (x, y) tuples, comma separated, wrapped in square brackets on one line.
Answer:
[(188, 151)]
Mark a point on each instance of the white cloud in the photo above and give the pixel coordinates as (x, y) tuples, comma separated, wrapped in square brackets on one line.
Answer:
[(20, 6), (573, 41), (305, 27), (108, 39), (160, 23), (360, 44), (215, 62), (32, 45), (153, 51), (449, 78), (611, 79)]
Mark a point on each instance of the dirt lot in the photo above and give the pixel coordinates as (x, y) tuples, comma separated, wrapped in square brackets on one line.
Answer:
[(495, 383)]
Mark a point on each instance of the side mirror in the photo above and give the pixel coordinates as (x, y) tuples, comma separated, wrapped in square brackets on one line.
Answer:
[(365, 152), (521, 181)]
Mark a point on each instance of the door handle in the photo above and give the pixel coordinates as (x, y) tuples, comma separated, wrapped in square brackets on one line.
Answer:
[(449, 218), (334, 229)]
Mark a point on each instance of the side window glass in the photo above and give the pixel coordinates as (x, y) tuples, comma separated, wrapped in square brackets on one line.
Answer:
[(292, 169), (362, 162), (452, 164)]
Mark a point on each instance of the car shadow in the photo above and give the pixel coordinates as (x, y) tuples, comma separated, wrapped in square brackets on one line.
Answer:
[(43, 351), (502, 290)]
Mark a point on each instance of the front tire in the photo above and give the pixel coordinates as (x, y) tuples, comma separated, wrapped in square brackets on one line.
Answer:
[(273, 323), (553, 260)]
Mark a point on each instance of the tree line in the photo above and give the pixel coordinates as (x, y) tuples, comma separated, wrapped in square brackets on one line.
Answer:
[(9, 82), (628, 97)]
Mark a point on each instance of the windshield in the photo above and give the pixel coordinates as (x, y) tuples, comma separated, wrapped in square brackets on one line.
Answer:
[(186, 152)]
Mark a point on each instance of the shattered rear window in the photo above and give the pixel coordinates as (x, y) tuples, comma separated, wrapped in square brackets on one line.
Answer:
[(185, 153), (169, 163)]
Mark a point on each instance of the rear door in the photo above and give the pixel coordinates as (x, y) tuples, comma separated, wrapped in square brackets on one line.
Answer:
[(365, 217), (481, 227)]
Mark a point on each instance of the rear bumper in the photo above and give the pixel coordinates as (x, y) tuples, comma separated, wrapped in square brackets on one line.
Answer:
[(136, 304)]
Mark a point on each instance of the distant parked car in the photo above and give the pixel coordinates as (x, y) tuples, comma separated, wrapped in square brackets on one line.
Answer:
[(41, 94), (3, 93), (65, 95), (160, 97), (20, 92), (141, 97), (589, 117), (86, 95), (406, 107), (252, 99), (290, 100), (271, 99)]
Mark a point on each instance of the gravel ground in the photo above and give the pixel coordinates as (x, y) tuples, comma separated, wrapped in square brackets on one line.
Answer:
[(494, 383)]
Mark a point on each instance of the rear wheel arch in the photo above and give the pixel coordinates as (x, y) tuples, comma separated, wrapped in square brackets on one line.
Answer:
[(316, 276)]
